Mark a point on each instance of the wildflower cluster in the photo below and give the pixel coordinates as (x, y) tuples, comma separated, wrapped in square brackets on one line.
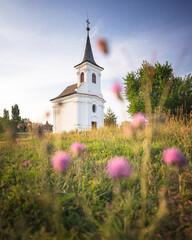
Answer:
[(136, 127), (26, 163), (119, 168), (77, 148), (102, 45), (117, 90), (139, 121), (61, 160), (173, 156)]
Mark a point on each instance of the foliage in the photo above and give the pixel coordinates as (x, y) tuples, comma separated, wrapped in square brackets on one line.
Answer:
[(6, 114), (110, 118), (8, 125), (15, 112), (164, 89), (38, 203)]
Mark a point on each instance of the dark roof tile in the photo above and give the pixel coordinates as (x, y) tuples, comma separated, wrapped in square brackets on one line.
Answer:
[(68, 91), (88, 55)]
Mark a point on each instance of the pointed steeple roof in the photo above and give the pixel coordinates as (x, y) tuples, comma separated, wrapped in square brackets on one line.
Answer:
[(88, 54)]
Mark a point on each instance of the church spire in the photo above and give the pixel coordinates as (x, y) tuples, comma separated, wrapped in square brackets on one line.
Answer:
[(88, 54)]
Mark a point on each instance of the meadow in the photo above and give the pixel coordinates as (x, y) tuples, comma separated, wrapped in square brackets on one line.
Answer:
[(84, 202)]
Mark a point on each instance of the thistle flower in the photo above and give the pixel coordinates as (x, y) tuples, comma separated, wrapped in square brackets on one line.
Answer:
[(19, 125), (103, 46), (60, 161), (77, 148), (139, 120), (119, 168), (26, 163), (173, 156), (116, 90)]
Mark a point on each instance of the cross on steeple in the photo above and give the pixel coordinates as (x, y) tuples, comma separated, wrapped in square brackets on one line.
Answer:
[(88, 54), (87, 21)]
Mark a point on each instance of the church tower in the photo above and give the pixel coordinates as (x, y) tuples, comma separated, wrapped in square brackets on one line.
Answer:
[(88, 71), (81, 106)]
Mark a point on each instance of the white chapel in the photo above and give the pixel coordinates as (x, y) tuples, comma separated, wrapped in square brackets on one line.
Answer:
[(81, 105)]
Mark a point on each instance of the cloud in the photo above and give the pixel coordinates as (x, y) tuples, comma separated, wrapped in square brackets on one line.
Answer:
[(37, 61), (127, 54)]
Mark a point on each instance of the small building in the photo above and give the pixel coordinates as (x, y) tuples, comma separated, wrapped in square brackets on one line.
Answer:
[(81, 105)]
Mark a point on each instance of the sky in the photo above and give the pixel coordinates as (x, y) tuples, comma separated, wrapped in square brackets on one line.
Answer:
[(42, 40)]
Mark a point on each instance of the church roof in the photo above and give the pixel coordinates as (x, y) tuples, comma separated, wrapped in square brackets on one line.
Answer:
[(68, 91), (88, 54), (71, 90)]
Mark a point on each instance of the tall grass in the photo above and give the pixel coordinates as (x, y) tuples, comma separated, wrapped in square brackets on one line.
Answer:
[(155, 203)]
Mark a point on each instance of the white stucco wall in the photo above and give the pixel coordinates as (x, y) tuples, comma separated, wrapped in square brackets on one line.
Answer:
[(85, 113), (75, 112), (88, 86), (65, 114)]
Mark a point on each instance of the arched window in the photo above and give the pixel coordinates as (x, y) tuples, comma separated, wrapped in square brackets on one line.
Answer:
[(94, 108), (93, 78), (82, 77)]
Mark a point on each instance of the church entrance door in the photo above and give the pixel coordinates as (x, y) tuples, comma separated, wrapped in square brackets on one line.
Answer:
[(94, 125)]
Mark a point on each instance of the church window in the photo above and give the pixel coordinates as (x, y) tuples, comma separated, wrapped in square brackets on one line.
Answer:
[(82, 77), (93, 78), (94, 108)]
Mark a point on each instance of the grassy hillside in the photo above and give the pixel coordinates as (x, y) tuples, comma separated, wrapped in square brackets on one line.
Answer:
[(37, 202)]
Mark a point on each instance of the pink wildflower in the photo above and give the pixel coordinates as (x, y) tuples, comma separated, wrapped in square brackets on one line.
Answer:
[(26, 163), (119, 168), (117, 89), (139, 120), (19, 125), (103, 46), (173, 156), (77, 148), (60, 161)]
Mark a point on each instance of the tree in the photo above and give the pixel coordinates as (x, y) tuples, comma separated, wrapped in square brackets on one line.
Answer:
[(110, 118), (6, 114), (15, 113), (152, 86)]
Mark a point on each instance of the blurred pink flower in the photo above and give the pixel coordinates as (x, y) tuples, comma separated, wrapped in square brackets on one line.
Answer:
[(116, 90), (60, 161), (139, 120), (19, 125), (173, 156), (77, 148), (26, 163), (102, 46), (119, 168)]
